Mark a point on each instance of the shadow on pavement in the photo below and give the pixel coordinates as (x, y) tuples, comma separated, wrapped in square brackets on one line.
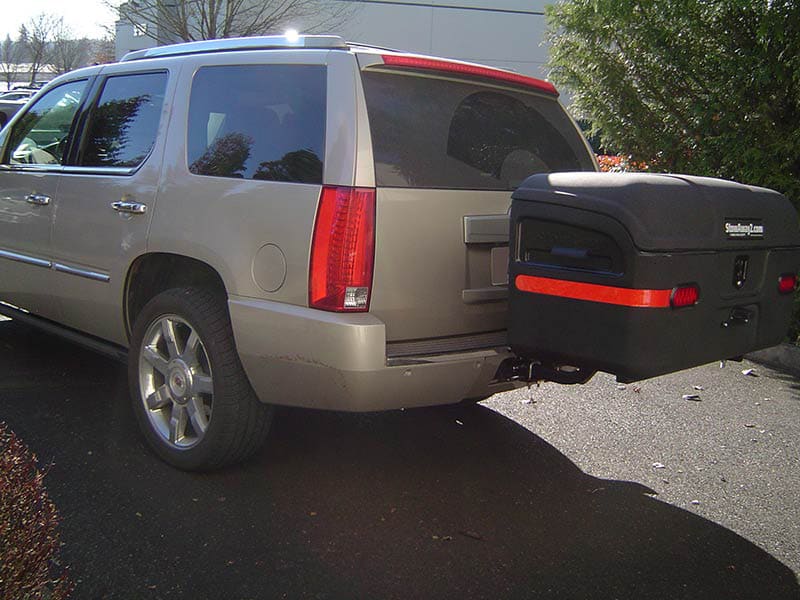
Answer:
[(792, 382), (431, 503)]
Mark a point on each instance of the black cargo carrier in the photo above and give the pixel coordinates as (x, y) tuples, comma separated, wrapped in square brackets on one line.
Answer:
[(640, 275)]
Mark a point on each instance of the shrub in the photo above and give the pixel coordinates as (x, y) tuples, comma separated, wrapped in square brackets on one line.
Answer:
[(617, 163), (29, 541), (794, 327), (706, 88)]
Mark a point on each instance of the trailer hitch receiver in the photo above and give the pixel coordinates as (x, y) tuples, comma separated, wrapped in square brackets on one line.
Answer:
[(532, 371)]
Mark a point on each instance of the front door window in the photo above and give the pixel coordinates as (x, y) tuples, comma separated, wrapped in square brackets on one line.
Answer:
[(41, 136)]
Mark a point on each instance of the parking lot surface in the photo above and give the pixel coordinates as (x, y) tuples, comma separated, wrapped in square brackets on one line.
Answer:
[(594, 491)]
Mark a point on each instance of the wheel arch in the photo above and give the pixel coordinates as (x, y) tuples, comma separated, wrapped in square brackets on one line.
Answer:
[(155, 272)]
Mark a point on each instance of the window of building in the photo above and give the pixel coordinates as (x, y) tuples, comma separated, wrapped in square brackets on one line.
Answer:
[(263, 122), (123, 125)]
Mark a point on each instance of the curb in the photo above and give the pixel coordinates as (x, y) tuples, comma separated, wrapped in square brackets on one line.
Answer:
[(783, 357)]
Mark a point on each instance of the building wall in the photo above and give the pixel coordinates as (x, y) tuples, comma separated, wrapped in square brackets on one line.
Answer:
[(126, 41), (129, 38), (504, 33)]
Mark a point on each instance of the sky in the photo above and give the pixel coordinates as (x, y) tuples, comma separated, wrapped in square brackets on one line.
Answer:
[(86, 18)]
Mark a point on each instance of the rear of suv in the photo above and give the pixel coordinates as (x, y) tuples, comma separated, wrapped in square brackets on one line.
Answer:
[(268, 221)]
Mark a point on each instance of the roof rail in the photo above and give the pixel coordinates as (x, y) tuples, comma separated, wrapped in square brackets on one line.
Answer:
[(353, 44), (266, 42)]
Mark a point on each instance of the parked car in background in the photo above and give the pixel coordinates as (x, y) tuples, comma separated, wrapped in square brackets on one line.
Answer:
[(10, 107), (15, 98), (33, 85), (17, 95)]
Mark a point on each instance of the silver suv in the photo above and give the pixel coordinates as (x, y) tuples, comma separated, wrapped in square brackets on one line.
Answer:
[(271, 221)]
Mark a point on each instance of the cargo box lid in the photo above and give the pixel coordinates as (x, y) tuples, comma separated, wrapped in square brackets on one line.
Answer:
[(672, 212)]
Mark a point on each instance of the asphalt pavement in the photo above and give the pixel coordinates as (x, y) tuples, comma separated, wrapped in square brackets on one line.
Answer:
[(594, 491)]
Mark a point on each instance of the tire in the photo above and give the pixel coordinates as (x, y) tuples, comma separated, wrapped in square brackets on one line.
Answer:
[(190, 394)]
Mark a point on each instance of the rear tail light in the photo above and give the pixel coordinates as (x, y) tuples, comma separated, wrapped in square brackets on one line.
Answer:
[(684, 295), (787, 282), (343, 250)]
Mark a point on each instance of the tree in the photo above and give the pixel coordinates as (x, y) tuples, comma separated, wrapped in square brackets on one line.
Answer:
[(36, 36), (190, 20), (101, 51), (226, 157), (298, 166), (710, 88), (66, 52), (10, 58)]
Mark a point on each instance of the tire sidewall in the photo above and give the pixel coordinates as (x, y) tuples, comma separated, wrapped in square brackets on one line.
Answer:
[(202, 454)]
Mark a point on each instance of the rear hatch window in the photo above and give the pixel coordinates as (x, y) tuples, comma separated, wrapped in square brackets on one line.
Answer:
[(433, 132), (448, 150)]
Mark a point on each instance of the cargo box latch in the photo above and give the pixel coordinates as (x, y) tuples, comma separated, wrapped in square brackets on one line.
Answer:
[(740, 266)]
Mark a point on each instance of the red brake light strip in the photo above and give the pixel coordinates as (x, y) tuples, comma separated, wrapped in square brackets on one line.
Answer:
[(418, 62), (593, 292)]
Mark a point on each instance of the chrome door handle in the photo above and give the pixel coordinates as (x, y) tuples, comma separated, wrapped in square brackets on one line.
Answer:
[(125, 206), (37, 199)]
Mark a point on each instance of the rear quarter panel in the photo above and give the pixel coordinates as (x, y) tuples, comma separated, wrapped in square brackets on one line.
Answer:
[(223, 221)]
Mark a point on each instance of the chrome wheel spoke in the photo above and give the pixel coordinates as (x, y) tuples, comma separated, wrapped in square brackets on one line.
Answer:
[(198, 415), (168, 333), (203, 384), (177, 424), (175, 381), (190, 352), (159, 399), (154, 358)]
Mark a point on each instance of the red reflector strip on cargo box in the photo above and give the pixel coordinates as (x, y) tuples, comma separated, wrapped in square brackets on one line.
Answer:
[(592, 292)]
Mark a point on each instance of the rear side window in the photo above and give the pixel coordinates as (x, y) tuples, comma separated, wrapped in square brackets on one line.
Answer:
[(436, 133), (123, 125), (262, 122)]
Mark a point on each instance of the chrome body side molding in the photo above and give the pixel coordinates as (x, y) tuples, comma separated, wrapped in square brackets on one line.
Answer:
[(24, 258), (94, 275), (61, 268)]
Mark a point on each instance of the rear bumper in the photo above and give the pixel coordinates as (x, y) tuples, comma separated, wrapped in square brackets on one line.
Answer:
[(298, 356)]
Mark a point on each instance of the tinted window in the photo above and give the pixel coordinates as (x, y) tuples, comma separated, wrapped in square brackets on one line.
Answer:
[(123, 125), (40, 137), (445, 134), (258, 122)]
